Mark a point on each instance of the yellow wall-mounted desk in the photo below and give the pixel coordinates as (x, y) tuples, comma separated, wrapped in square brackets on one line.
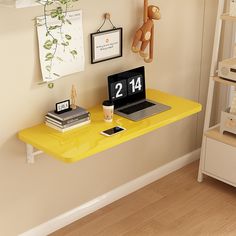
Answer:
[(85, 141)]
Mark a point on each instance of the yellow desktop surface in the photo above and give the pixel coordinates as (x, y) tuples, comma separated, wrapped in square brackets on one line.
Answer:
[(82, 142)]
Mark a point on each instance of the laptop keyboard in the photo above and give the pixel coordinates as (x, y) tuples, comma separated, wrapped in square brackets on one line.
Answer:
[(137, 107)]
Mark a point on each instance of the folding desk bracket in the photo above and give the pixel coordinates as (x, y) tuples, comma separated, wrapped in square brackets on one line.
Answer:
[(30, 153)]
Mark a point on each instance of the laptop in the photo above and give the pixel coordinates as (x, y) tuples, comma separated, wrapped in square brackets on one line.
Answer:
[(127, 92)]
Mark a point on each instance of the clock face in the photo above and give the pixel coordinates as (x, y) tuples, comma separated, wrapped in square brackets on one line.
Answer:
[(127, 87), (62, 106), (135, 84), (119, 89)]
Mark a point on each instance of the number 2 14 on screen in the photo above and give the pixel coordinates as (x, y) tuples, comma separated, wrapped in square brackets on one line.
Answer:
[(133, 84)]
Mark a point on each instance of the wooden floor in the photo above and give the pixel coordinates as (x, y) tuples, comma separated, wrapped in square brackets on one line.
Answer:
[(175, 205)]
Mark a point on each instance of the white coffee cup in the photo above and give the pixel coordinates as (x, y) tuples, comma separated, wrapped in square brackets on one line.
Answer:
[(108, 110)]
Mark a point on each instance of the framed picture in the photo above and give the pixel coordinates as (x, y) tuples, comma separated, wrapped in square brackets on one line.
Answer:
[(63, 106), (106, 45)]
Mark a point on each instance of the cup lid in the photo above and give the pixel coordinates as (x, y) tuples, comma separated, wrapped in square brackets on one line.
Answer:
[(107, 103)]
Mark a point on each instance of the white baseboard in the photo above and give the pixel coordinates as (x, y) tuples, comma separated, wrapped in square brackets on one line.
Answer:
[(107, 198)]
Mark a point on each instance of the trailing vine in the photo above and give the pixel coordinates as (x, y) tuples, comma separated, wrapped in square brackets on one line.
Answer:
[(55, 36)]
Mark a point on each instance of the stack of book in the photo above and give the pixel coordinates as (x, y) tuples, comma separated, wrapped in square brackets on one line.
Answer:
[(68, 120)]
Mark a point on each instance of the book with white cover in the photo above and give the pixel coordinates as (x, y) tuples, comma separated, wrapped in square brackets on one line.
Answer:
[(67, 125), (68, 121), (69, 128)]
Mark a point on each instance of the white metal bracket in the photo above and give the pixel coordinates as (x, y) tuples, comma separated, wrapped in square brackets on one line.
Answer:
[(30, 154)]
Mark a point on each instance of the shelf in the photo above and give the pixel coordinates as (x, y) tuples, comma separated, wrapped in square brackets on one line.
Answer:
[(85, 141), (226, 138), (224, 81), (227, 17), (218, 150)]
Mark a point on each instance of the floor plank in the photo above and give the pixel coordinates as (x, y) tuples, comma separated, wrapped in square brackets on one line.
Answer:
[(174, 205)]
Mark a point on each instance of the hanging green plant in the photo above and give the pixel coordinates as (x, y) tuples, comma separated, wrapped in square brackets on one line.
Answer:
[(54, 19)]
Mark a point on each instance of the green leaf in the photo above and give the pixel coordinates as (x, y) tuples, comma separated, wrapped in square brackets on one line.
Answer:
[(59, 59), (53, 27), (54, 14), (61, 17), (68, 37), (49, 55), (48, 68), (64, 1), (68, 22), (48, 44), (65, 44), (59, 10), (54, 41), (48, 41), (74, 53)]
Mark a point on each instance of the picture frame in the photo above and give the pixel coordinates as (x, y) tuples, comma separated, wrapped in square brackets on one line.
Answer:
[(63, 106), (106, 45)]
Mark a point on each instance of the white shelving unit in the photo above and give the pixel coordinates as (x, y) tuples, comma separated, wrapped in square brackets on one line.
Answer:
[(218, 153)]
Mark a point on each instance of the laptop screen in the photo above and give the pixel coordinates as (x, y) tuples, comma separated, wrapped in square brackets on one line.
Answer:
[(127, 87)]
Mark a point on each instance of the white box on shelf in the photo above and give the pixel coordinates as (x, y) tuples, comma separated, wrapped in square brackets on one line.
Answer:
[(220, 161), (227, 69), (228, 122), (232, 8)]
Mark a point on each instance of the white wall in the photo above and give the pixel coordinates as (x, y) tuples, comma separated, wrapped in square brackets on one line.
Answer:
[(33, 194)]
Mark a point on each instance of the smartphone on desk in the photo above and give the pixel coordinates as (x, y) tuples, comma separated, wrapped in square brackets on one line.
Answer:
[(113, 131)]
